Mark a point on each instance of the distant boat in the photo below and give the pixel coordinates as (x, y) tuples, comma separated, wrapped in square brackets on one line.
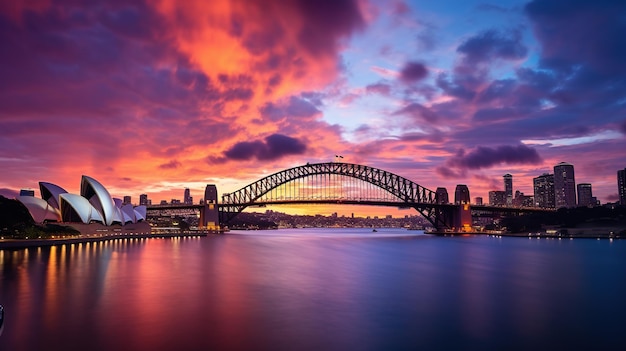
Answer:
[(374, 230)]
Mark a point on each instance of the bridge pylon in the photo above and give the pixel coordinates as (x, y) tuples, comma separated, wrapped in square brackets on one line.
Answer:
[(209, 213)]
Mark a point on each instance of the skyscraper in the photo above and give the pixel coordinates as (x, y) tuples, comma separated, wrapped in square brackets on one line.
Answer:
[(187, 198), (441, 195), (585, 198), (564, 185), (461, 195), (127, 200), (497, 198), (621, 186), (508, 188), (544, 190)]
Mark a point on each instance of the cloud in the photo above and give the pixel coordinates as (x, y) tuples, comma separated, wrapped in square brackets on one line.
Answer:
[(413, 72), (493, 44), (485, 157), (378, 88), (419, 112), (293, 107), (274, 147), (173, 164)]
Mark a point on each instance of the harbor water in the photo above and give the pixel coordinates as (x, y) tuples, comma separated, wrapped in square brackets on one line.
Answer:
[(316, 289)]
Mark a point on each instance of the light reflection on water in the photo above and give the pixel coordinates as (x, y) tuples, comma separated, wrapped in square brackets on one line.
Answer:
[(312, 289)]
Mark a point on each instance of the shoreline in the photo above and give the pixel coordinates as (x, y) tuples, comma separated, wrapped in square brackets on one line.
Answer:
[(81, 239), (535, 235)]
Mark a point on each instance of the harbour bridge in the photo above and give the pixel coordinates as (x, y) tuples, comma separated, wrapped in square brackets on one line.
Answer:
[(337, 183)]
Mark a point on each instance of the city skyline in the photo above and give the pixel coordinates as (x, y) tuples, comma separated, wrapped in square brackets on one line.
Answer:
[(155, 97)]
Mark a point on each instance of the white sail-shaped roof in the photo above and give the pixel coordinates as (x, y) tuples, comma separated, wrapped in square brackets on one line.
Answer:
[(140, 213), (100, 198), (75, 208), (50, 192), (129, 212), (40, 209)]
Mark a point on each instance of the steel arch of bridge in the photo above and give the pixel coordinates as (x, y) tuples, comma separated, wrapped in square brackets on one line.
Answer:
[(409, 192)]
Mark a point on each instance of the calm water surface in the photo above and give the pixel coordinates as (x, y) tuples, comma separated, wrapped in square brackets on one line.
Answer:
[(316, 289)]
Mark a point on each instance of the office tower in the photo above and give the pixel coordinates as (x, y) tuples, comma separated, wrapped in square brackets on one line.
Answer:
[(461, 195), (621, 186), (544, 190), (564, 185), (478, 200), (585, 198), (497, 198), (508, 188), (143, 200), (187, 198), (441, 195), (127, 200)]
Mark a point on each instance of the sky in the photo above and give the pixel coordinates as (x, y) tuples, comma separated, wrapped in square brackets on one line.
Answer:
[(154, 96)]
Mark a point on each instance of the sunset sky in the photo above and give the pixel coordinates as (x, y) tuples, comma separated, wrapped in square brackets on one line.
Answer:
[(154, 96)]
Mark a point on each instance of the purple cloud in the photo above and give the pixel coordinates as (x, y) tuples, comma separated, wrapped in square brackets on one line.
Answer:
[(294, 107), (419, 112), (485, 157), (413, 72), (493, 44), (274, 147), (622, 127), (378, 88)]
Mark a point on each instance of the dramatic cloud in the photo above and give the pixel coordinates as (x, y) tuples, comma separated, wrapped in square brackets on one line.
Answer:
[(274, 147), (293, 107), (419, 112), (485, 157), (413, 72), (622, 127)]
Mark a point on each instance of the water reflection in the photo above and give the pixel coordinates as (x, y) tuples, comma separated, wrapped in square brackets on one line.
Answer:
[(315, 289)]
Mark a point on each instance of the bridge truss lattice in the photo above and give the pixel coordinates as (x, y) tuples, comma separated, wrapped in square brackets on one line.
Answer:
[(333, 182)]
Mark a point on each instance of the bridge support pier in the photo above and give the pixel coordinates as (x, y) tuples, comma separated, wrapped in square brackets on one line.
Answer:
[(209, 214), (455, 218)]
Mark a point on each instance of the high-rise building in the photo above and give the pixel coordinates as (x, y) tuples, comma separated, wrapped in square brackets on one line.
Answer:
[(621, 186), (564, 185), (478, 200), (187, 198), (461, 195), (508, 188), (143, 200), (544, 190), (585, 197), (127, 200), (441, 195), (497, 198)]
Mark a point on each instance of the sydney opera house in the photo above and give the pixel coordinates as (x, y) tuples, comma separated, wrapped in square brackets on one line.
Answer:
[(94, 209)]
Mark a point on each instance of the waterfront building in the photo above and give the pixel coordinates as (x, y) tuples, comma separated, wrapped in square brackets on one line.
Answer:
[(521, 200), (497, 198), (27, 192), (441, 195), (508, 188), (143, 200), (621, 186), (585, 197), (544, 190), (564, 185), (461, 195), (94, 204)]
